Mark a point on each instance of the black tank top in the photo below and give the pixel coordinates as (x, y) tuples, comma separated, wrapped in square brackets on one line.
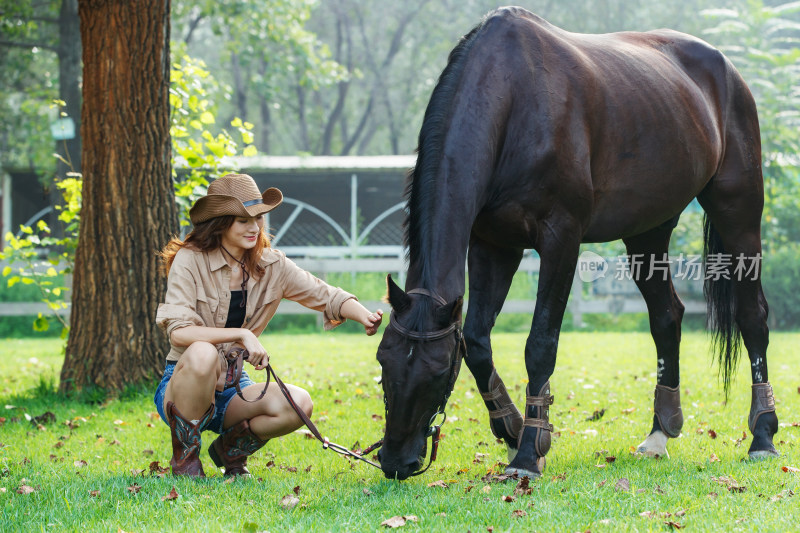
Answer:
[(236, 313)]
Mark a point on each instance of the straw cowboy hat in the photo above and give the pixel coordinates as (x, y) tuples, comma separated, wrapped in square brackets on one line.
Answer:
[(237, 195)]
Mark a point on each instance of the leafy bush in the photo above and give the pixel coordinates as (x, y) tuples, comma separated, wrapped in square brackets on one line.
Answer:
[(781, 279)]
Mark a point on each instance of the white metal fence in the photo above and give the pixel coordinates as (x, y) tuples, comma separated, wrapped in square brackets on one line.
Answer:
[(604, 295)]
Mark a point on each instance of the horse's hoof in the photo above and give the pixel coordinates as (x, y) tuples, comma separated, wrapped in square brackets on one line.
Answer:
[(523, 472), (655, 446), (512, 453), (758, 455), (650, 454)]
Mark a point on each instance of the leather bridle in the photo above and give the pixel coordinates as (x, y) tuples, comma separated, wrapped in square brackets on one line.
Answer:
[(458, 353)]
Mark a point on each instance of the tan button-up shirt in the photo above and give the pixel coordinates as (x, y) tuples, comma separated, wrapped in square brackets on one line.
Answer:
[(198, 294)]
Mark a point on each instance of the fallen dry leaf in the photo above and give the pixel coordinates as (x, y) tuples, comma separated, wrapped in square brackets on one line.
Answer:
[(623, 485), (790, 469), (785, 493), (518, 513), (523, 487), (134, 489), (713, 458), (289, 501), (94, 493), (729, 483), (398, 521), (173, 495), (25, 489), (479, 457), (438, 483), (148, 452), (296, 490), (712, 433), (610, 459), (80, 463), (367, 492), (597, 415), (157, 469), (44, 418), (648, 514), (673, 525), (508, 499)]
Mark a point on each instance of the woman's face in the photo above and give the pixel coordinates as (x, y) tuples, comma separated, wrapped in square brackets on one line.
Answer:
[(243, 233)]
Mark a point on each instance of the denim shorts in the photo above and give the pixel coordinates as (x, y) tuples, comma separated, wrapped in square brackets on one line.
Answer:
[(221, 399)]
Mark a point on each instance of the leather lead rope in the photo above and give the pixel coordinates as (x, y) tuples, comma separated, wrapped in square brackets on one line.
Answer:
[(236, 357)]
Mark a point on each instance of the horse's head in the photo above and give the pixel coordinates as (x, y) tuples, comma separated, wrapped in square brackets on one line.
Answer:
[(420, 354)]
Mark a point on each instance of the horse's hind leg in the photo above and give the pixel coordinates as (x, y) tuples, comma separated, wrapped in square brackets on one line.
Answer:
[(491, 269), (733, 201), (650, 270), (733, 238)]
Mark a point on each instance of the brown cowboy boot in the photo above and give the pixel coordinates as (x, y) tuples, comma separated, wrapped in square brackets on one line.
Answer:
[(186, 441), (233, 446)]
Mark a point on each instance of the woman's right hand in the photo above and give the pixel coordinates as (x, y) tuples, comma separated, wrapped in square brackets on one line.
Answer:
[(258, 354)]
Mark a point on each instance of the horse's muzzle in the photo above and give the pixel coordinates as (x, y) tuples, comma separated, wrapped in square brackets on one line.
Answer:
[(398, 467)]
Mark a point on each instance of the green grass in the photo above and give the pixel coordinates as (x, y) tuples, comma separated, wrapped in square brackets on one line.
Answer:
[(611, 371)]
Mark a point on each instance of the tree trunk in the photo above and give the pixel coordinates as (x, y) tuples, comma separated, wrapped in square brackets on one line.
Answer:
[(128, 209)]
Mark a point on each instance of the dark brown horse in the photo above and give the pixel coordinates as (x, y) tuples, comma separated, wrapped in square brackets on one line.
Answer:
[(538, 138)]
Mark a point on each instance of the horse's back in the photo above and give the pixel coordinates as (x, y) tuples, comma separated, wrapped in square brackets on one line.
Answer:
[(626, 119)]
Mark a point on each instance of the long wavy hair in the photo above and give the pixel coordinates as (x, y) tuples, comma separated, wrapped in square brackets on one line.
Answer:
[(207, 236)]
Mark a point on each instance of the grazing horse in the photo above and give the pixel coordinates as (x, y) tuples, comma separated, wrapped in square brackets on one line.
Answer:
[(539, 138)]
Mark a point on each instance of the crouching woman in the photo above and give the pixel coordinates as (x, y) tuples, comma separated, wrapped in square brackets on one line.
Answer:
[(224, 284)]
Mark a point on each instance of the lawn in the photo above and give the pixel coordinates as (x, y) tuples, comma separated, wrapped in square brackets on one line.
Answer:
[(90, 468)]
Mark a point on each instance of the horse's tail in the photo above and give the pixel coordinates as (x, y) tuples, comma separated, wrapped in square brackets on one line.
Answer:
[(721, 303)]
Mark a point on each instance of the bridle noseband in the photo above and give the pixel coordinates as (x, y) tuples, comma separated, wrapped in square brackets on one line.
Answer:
[(459, 351)]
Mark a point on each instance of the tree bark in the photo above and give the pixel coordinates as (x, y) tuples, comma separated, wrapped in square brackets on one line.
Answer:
[(128, 210)]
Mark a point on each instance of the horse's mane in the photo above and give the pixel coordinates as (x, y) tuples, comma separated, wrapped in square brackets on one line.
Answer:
[(421, 181)]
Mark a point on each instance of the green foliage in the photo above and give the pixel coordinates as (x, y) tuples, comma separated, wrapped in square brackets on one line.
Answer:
[(780, 279), (197, 147), (42, 261), (109, 447), (37, 259), (764, 44), (28, 83)]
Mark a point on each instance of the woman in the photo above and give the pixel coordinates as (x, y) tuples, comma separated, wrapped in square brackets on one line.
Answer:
[(224, 285)]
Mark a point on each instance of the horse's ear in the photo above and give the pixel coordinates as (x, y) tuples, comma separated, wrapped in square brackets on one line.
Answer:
[(398, 299)]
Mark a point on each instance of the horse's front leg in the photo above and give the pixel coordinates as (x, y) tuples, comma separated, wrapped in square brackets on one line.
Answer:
[(491, 269), (559, 254)]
